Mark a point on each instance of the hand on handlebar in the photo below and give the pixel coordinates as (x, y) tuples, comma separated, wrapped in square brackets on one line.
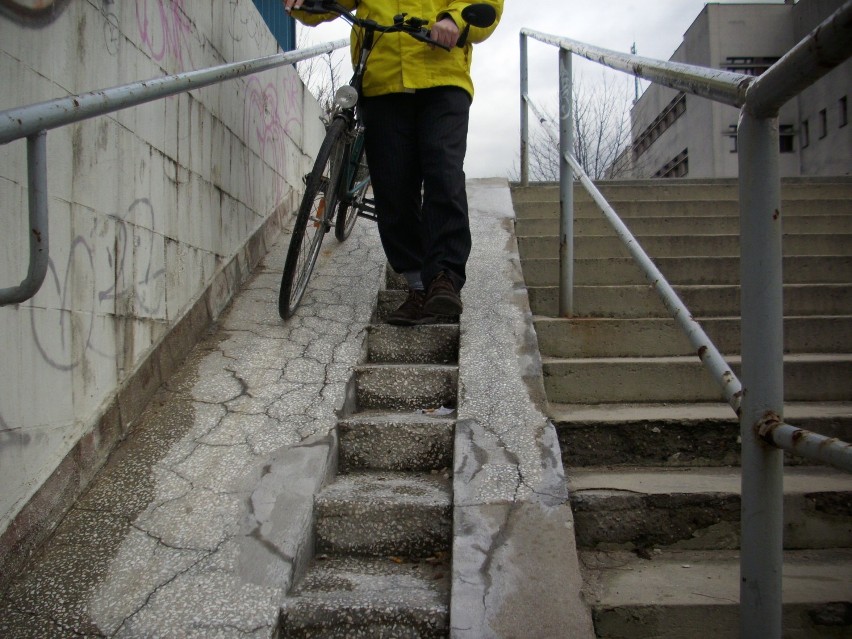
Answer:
[(445, 33)]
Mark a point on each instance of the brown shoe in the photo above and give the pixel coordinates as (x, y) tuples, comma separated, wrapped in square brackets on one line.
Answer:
[(410, 312), (442, 297)]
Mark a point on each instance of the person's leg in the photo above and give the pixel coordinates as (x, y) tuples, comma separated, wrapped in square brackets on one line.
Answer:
[(391, 143), (391, 146), (443, 123)]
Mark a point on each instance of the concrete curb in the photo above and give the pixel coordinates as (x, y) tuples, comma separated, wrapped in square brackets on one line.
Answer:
[(515, 567)]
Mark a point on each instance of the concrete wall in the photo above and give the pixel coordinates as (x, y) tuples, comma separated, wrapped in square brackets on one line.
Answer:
[(156, 215)]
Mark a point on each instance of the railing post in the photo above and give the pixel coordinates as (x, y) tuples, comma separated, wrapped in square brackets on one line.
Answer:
[(761, 553), (566, 187), (38, 223), (525, 116)]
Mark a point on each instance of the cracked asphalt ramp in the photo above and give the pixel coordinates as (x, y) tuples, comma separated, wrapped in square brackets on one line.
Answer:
[(203, 518)]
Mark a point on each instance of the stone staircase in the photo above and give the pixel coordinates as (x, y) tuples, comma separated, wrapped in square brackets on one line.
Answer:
[(651, 453), (383, 528)]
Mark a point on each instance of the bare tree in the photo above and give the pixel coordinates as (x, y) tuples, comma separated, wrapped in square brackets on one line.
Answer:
[(322, 74), (601, 121)]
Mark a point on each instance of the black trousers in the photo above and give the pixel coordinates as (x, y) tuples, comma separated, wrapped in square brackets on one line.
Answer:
[(415, 144)]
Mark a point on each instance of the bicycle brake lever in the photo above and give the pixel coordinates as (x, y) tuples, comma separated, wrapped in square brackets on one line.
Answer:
[(426, 36)]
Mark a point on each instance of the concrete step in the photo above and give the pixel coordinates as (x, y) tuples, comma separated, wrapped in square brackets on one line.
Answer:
[(797, 269), (638, 208), (432, 344), (684, 379), (356, 597), (675, 434), (684, 225), (708, 189), (544, 246), (702, 301), (405, 387), (684, 595), (699, 508), (389, 300), (381, 514), (413, 442), (658, 337)]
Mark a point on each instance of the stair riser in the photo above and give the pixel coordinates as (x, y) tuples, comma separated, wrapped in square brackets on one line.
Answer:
[(709, 225), (380, 446), (598, 246), (801, 269), (709, 521), (405, 388), (314, 620), (720, 620), (376, 529), (676, 444), (594, 382), (629, 209), (716, 301), (390, 300), (662, 337), (718, 190), (413, 344)]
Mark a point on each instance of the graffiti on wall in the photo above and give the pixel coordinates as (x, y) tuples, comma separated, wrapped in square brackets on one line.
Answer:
[(167, 31), (136, 287), (271, 115), (32, 13)]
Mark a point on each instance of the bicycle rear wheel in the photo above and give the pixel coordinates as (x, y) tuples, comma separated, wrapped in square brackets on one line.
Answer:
[(356, 189), (313, 220)]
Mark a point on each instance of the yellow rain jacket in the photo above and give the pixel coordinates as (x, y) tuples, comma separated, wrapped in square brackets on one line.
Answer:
[(399, 63)]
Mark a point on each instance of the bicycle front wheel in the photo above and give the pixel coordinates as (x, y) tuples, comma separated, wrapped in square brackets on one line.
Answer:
[(313, 220), (357, 182)]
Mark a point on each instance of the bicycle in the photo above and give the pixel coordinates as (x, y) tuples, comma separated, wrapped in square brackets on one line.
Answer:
[(340, 179)]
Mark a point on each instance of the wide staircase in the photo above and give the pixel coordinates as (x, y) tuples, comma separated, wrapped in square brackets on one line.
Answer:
[(650, 450), (383, 528)]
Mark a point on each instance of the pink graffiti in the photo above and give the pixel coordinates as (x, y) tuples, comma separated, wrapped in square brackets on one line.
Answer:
[(166, 33), (266, 129)]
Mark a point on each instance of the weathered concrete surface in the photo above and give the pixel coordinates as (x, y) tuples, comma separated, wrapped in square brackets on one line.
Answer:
[(202, 518), (515, 571)]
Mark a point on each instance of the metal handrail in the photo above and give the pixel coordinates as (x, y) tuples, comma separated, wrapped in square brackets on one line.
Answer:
[(760, 409), (33, 122)]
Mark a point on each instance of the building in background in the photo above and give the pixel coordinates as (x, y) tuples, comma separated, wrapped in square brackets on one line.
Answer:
[(679, 135)]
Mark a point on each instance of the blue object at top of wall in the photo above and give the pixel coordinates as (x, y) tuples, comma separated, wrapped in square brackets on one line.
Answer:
[(282, 26)]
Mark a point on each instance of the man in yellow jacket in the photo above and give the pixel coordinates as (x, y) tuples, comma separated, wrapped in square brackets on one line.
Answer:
[(415, 107)]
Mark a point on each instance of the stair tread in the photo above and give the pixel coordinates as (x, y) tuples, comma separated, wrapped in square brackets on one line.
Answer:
[(670, 359), (385, 487), (620, 413), (426, 417), (710, 578), (695, 480), (380, 581)]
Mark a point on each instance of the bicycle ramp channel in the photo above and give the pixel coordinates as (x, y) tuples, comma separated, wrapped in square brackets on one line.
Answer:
[(295, 479)]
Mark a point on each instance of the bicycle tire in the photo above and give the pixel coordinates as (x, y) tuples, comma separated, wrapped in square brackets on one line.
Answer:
[(317, 207), (348, 208)]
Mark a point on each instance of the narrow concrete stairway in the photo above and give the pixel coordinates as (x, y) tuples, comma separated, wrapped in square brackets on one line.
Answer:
[(650, 451), (383, 528)]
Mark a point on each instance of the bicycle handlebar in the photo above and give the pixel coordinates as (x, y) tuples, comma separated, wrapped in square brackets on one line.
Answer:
[(415, 27)]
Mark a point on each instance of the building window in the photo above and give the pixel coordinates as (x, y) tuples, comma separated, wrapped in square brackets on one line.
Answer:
[(823, 124), (672, 112), (749, 65), (785, 138), (678, 167), (805, 134), (732, 136), (842, 107)]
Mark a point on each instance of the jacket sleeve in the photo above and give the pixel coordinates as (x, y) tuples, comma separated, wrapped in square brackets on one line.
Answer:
[(313, 19), (454, 10)]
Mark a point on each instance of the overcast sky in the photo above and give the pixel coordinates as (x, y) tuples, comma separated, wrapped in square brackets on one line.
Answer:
[(656, 26)]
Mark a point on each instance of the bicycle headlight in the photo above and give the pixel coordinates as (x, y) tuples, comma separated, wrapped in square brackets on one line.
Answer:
[(346, 97)]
